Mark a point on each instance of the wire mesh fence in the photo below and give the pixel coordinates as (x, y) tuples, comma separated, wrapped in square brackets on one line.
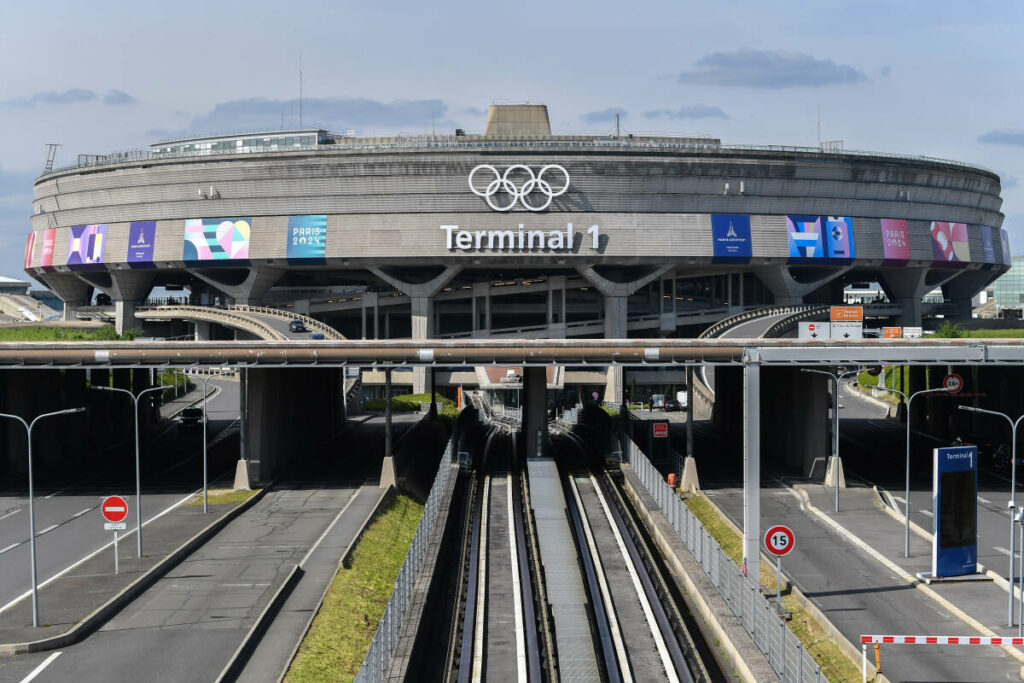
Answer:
[(758, 615), (378, 657)]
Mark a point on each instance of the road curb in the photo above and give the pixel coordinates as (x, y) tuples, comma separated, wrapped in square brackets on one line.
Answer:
[(387, 495), (842, 642), (109, 609), (913, 581)]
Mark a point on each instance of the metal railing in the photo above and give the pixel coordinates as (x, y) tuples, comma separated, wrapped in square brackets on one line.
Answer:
[(378, 657), (790, 321), (646, 144), (311, 323), (783, 650), (218, 315)]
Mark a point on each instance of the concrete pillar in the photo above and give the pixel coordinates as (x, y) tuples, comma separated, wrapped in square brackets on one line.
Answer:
[(422, 328), (798, 440), (906, 287), (202, 330), (535, 410), (752, 472), (615, 321), (124, 316)]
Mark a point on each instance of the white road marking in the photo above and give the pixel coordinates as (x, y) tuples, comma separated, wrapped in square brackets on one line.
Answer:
[(12, 512), (47, 529), (10, 547), (96, 552), (927, 512), (1002, 550), (79, 514), (39, 669), (986, 501), (516, 589)]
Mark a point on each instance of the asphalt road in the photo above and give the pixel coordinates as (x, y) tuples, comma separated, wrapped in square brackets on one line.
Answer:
[(69, 526), (751, 329)]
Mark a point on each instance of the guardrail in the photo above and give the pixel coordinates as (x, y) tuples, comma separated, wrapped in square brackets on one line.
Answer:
[(378, 657), (219, 315), (311, 323), (788, 323), (783, 650)]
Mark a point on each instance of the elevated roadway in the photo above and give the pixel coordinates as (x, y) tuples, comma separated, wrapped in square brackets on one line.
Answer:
[(262, 322)]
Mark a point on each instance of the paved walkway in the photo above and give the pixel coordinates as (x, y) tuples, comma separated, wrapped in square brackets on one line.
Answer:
[(860, 594)]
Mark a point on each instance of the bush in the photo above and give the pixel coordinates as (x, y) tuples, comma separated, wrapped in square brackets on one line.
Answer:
[(397, 405), (950, 330)]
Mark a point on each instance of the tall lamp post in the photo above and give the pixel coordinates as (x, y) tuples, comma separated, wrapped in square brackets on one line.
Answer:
[(836, 377), (31, 505), (1013, 494), (138, 476), (906, 505), (206, 382)]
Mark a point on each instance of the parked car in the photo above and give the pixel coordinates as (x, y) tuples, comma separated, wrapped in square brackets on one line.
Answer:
[(190, 417), (297, 326)]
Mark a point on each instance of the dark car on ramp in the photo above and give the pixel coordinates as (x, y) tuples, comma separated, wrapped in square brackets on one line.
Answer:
[(190, 417), (297, 326)]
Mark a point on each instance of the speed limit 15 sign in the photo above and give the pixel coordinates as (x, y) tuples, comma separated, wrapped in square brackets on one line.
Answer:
[(779, 540)]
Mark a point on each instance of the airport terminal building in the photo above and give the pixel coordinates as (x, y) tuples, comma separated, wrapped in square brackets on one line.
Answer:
[(517, 232)]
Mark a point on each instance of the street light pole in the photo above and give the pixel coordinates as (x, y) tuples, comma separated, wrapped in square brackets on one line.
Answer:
[(835, 419), (206, 382), (1013, 496), (31, 503), (138, 474), (906, 504)]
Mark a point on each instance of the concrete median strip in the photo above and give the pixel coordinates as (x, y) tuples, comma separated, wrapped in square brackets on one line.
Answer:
[(108, 610), (913, 581)]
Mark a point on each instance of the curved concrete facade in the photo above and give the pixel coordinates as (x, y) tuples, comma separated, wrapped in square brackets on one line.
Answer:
[(399, 215)]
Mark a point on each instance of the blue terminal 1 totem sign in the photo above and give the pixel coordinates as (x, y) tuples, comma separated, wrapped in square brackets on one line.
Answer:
[(955, 506)]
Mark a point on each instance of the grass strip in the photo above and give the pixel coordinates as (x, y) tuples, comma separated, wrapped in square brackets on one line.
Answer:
[(334, 648), (835, 665), (223, 496)]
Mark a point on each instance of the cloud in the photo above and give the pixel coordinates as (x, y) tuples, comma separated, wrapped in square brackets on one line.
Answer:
[(330, 113), (117, 97), (474, 111), (52, 98), (1007, 181), (604, 115), (1003, 136), (694, 111), (769, 69)]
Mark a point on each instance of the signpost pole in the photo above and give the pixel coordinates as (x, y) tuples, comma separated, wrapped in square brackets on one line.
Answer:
[(116, 570), (778, 583), (1020, 621)]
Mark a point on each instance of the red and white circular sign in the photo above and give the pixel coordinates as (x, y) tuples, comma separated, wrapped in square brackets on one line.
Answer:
[(114, 508), (953, 383), (779, 540)]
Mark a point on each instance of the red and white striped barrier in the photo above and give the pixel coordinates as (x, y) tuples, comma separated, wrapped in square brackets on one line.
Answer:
[(941, 640), (924, 640)]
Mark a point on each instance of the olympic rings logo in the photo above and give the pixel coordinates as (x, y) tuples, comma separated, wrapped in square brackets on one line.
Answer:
[(517, 184)]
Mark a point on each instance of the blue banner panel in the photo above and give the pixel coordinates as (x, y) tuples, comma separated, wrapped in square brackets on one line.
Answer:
[(805, 239), (839, 233), (987, 248), (730, 233), (307, 237), (955, 509), (141, 238)]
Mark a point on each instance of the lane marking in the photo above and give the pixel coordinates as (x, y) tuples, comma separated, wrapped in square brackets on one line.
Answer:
[(39, 669), (997, 548), (12, 512), (48, 529), (316, 544), (96, 552), (79, 514), (900, 499), (928, 513), (986, 501), (481, 582), (10, 547)]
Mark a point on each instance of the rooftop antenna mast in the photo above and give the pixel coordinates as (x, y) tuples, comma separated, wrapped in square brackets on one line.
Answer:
[(616, 125), (300, 89), (51, 154)]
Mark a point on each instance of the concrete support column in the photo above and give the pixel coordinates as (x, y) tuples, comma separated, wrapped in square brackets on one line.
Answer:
[(422, 328), (124, 316), (906, 287), (615, 310), (752, 471), (535, 410), (202, 330)]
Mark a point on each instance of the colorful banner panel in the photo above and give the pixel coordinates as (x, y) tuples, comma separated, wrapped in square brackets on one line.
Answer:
[(1004, 237), (29, 246), (730, 234), (839, 236), (216, 239), (307, 236), (820, 237), (85, 245), (949, 242), (987, 248), (141, 238), (895, 241), (804, 236), (49, 243)]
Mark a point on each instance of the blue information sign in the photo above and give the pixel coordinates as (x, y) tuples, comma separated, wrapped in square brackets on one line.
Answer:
[(730, 234), (955, 508)]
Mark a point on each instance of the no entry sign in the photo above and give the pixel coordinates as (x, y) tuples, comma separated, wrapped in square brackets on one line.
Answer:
[(779, 540), (114, 508)]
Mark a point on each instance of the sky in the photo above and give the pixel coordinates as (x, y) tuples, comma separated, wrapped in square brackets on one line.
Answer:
[(926, 77)]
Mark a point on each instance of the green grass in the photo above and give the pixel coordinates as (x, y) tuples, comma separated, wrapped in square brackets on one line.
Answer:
[(222, 497), (996, 334), (425, 398), (49, 334), (835, 665), (334, 648)]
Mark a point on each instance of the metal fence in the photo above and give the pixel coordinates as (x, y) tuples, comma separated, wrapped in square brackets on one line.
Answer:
[(783, 650), (378, 657)]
